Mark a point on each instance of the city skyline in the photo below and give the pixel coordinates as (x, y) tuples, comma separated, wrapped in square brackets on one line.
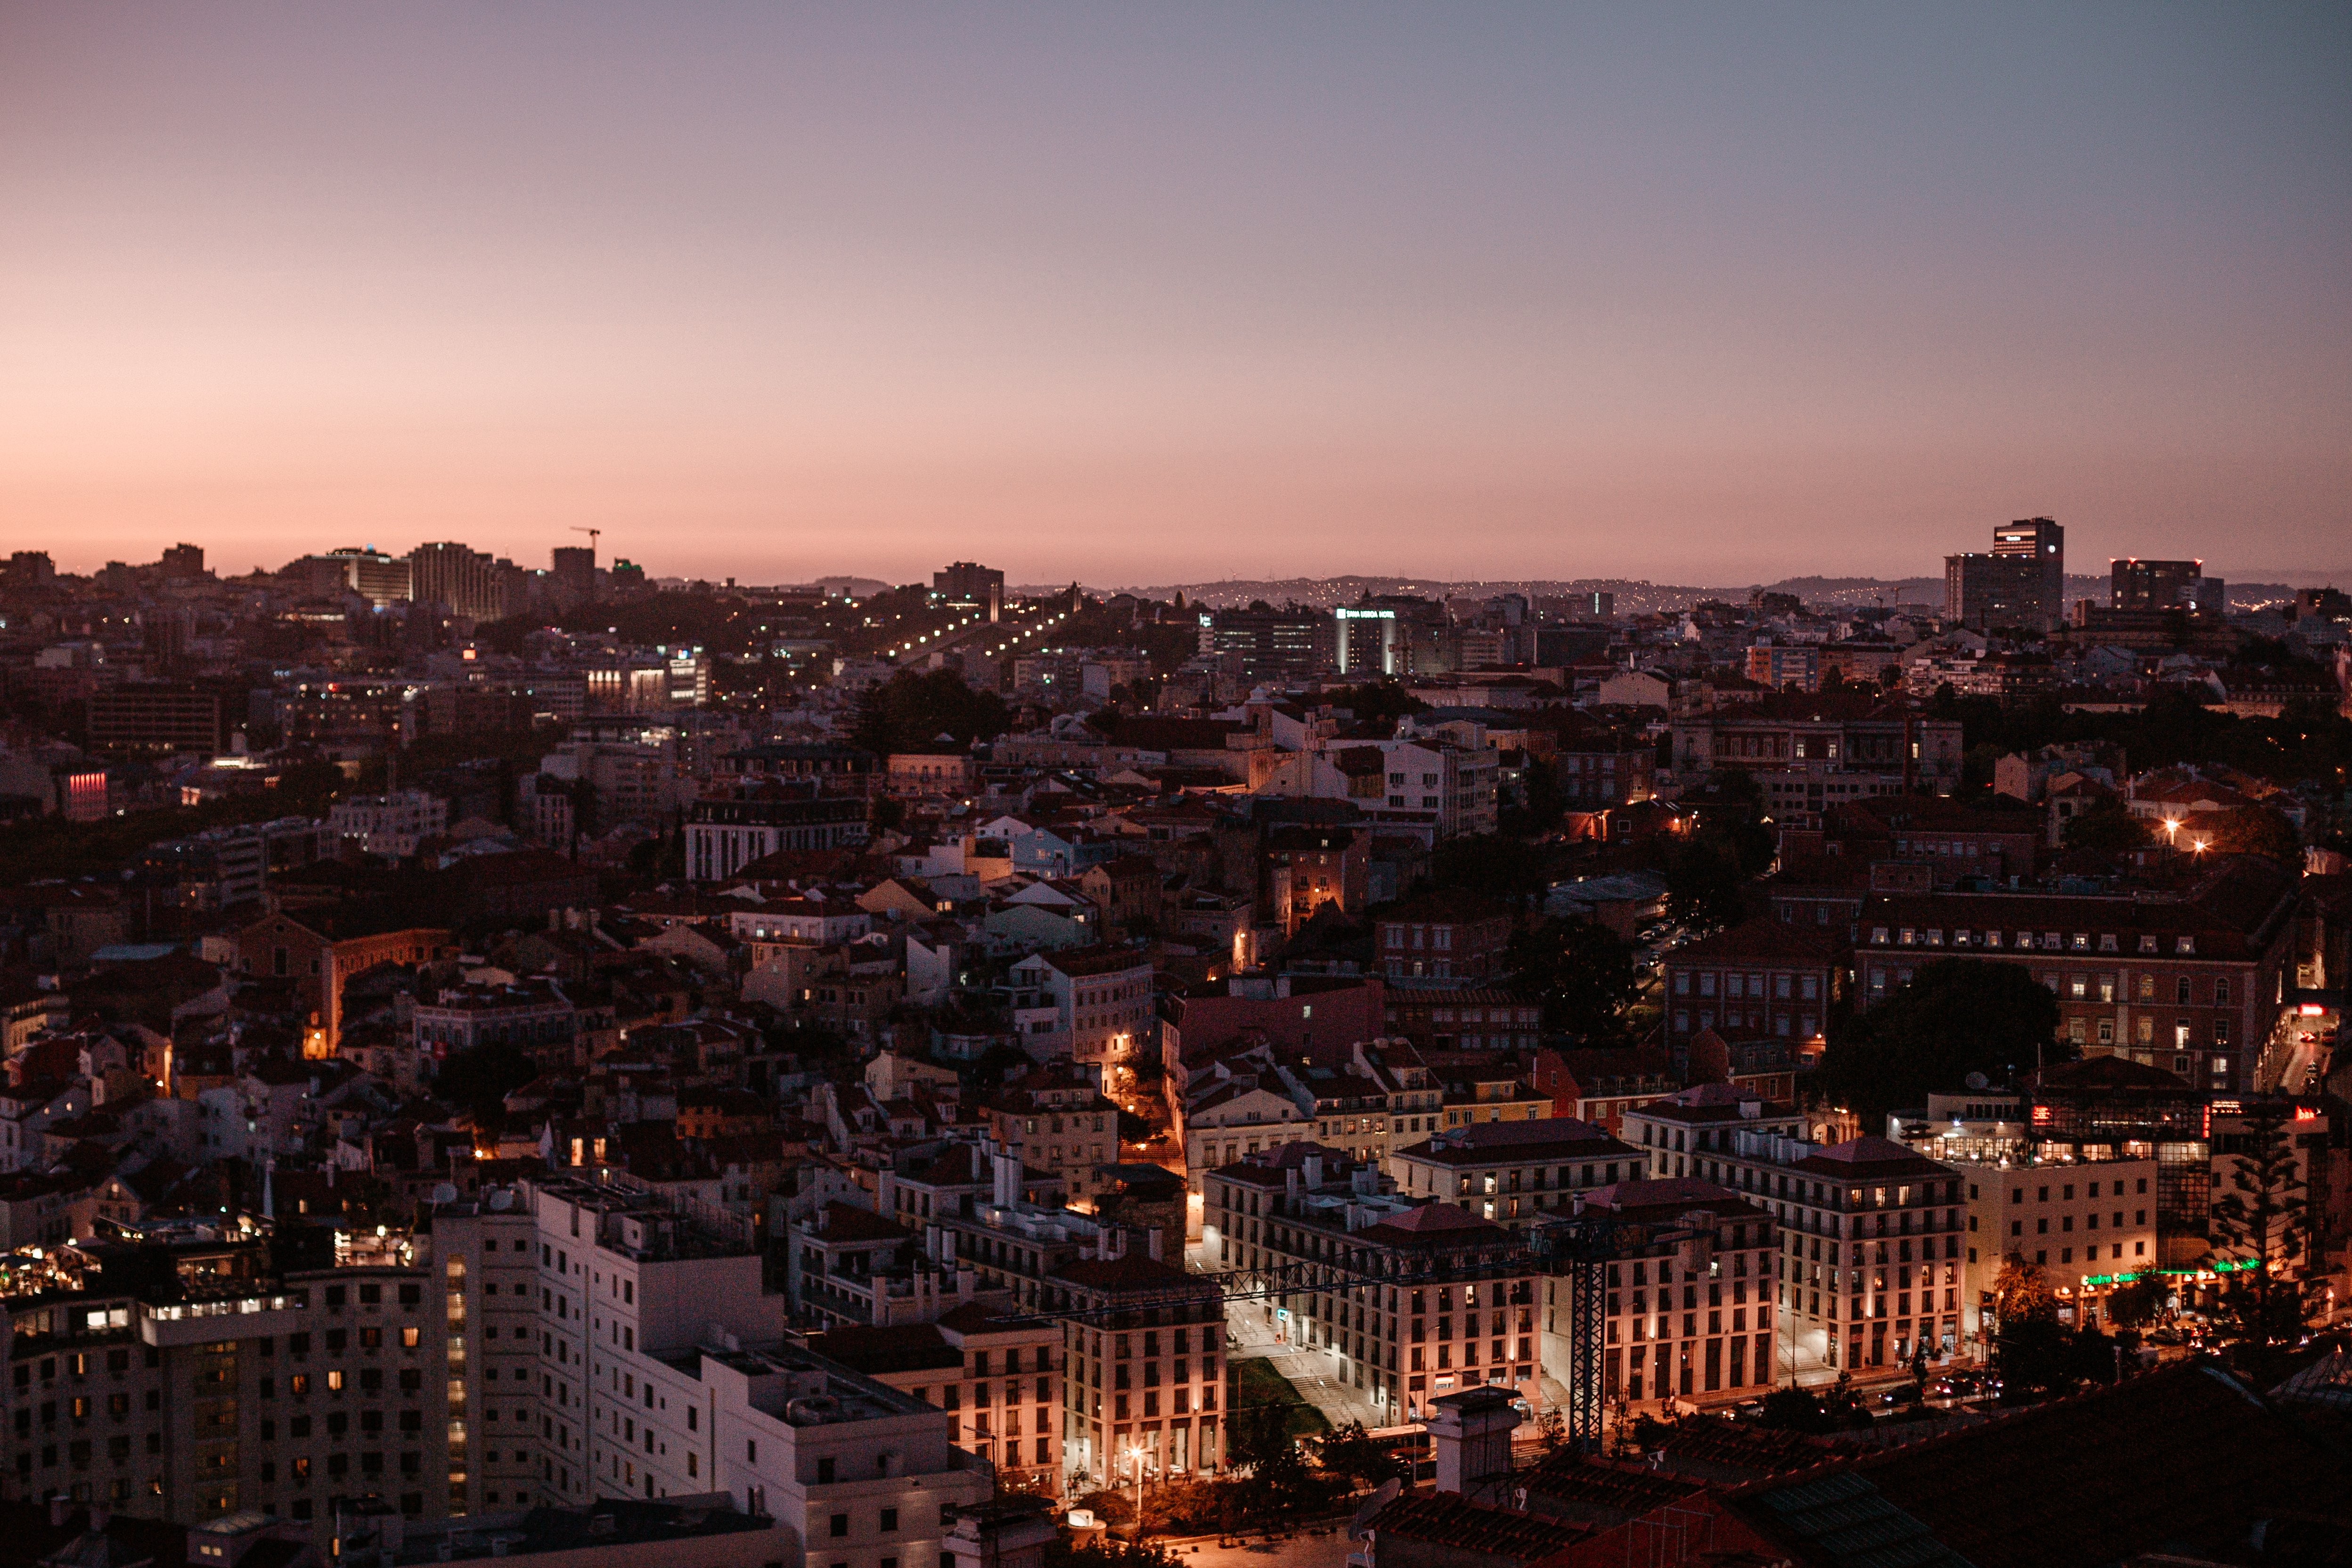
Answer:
[(1504, 294)]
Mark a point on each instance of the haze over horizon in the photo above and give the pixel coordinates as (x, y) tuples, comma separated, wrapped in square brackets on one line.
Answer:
[(1687, 294)]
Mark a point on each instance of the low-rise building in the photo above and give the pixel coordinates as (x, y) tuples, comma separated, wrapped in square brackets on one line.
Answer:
[(1514, 1173), (998, 1378), (2082, 1226)]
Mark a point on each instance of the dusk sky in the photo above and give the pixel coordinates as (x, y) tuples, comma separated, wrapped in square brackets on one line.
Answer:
[(1152, 294)]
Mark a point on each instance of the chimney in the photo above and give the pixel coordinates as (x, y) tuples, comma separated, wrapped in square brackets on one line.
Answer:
[(1471, 1432), (57, 1511), (1314, 1172)]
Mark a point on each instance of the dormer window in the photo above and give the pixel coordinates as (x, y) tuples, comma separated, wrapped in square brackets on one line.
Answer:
[(2184, 944)]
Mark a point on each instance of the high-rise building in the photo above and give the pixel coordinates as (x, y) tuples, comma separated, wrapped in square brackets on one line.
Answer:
[(378, 578), (464, 581), (1368, 643), (1272, 643), (2021, 583), (575, 573), (159, 716), (2136, 584), (969, 582), (183, 561), (2043, 542)]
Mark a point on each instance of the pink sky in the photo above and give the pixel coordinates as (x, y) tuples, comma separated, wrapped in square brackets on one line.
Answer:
[(1145, 296)]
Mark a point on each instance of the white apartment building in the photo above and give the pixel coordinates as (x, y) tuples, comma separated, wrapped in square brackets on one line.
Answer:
[(1101, 999), (663, 1372), (388, 824)]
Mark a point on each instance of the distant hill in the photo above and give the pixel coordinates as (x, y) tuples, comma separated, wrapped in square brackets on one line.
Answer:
[(1632, 595)]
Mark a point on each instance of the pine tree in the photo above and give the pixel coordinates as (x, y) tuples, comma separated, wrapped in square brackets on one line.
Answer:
[(2263, 1220)]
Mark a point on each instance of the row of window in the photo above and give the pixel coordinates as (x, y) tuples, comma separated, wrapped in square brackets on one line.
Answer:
[(2026, 941)]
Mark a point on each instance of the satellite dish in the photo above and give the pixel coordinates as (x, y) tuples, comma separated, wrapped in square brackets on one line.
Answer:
[(444, 1194), (502, 1200), (1977, 1081)]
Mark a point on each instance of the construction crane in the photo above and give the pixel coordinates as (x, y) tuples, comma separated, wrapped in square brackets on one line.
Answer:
[(592, 534)]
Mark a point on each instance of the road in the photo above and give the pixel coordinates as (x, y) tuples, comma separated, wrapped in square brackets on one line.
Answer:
[(1303, 1550), (2303, 1052)]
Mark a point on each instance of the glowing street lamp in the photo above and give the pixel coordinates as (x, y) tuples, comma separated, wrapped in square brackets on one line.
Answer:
[(1135, 1457)]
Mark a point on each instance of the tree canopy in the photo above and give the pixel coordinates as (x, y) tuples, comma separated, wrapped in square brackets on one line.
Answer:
[(1957, 1016), (1582, 974), (909, 713), (2247, 830), (2108, 825)]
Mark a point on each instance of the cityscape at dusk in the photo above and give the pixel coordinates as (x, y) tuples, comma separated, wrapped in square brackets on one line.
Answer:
[(1286, 786)]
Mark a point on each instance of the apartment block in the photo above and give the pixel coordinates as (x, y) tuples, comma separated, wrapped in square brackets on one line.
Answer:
[(663, 1371), (1688, 1311), (1402, 1345), (1871, 1231), (2082, 1226), (2187, 980), (1514, 1173)]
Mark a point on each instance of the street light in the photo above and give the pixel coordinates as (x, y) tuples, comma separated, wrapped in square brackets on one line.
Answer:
[(1135, 1457)]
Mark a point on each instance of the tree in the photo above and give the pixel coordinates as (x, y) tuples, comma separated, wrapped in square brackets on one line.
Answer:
[(2247, 830), (2137, 1301), (910, 712), (2262, 1226), (1104, 1552), (1704, 887), (1258, 1437), (1377, 701), (1491, 863), (1346, 1450), (1794, 1409), (2108, 825), (2030, 1346), (1956, 1016), (1581, 973)]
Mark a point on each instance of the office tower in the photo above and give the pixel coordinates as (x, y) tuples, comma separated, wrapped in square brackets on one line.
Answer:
[(2042, 541), (378, 578), (968, 583), (464, 582), (2136, 584), (575, 573), (2021, 585), (1270, 643), (183, 561), (1368, 644)]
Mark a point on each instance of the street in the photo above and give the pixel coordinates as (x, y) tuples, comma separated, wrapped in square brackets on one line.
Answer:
[(1305, 1548)]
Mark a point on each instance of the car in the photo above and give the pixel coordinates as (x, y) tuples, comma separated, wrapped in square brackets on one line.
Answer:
[(1902, 1393), (1748, 1410)]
